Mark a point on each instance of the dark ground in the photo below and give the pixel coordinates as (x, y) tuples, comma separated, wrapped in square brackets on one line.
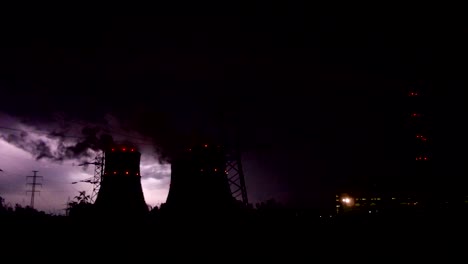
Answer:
[(359, 238)]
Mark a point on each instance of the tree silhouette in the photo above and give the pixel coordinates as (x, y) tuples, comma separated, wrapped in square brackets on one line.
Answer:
[(82, 197), (3, 208), (80, 205)]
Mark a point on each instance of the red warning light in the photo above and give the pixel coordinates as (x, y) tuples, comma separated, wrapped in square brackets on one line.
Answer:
[(132, 150), (115, 172), (421, 137), (215, 169), (137, 173), (421, 158), (126, 172), (206, 145), (189, 149), (113, 149), (124, 149)]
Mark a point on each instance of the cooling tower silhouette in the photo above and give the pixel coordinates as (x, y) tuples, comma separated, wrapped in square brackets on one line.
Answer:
[(120, 192), (199, 181)]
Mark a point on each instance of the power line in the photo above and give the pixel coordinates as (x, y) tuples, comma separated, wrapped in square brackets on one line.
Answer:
[(33, 190)]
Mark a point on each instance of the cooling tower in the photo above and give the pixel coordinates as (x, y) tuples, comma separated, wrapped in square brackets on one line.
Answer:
[(199, 181), (120, 192)]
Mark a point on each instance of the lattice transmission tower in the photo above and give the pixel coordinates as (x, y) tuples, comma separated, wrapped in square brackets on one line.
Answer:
[(98, 173), (235, 175)]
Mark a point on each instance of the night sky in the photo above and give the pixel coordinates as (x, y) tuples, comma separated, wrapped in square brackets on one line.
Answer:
[(316, 97)]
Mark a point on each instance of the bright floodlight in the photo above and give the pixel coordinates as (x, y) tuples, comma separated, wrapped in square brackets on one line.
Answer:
[(346, 200)]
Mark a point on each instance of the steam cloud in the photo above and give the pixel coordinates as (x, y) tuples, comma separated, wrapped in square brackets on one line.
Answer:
[(42, 148), (74, 140), (58, 145)]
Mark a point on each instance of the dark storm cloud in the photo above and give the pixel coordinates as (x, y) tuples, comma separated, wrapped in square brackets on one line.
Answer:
[(90, 141), (57, 146), (39, 148), (315, 95)]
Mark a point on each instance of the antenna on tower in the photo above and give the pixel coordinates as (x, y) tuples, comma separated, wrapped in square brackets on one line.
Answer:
[(98, 173)]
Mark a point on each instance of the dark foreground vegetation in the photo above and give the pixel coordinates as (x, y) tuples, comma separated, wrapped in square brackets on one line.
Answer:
[(271, 232)]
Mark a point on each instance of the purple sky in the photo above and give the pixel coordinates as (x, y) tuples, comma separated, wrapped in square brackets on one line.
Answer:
[(19, 157), (17, 163)]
